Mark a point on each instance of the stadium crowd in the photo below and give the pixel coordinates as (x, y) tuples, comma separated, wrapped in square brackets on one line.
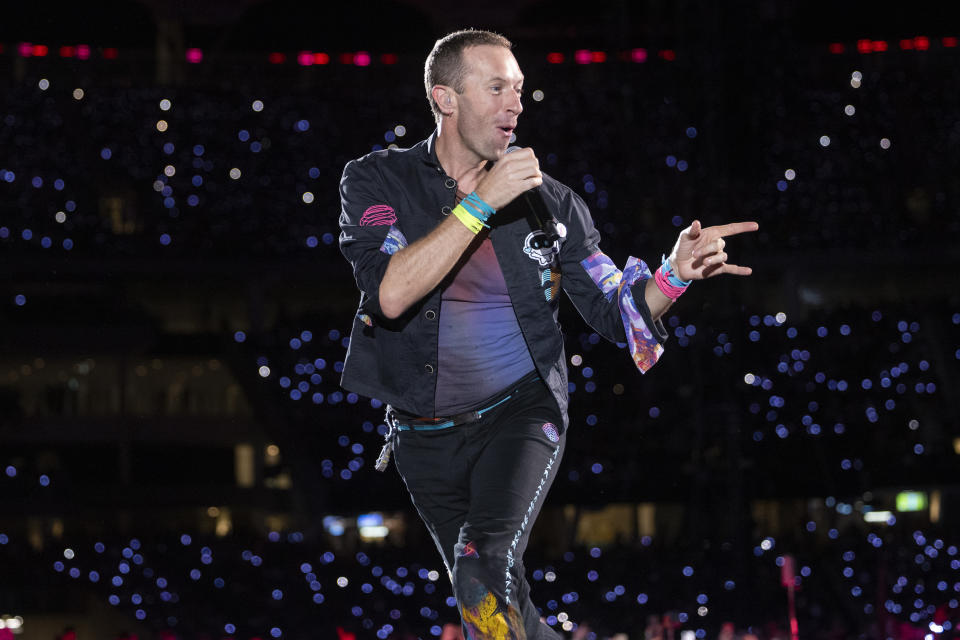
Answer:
[(849, 165)]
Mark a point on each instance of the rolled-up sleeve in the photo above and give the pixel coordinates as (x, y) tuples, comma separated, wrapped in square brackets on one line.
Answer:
[(369, 233), (611, 301)]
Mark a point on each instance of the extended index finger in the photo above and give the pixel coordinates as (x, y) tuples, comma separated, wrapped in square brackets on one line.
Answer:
[(734, 228)]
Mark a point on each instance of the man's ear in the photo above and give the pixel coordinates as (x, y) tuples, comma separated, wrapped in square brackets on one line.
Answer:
[(446, 99)]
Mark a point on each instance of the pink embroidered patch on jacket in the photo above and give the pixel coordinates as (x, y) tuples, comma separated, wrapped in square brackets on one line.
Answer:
[(377, 215)]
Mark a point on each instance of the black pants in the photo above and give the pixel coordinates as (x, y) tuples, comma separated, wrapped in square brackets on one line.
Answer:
[(479, 487)]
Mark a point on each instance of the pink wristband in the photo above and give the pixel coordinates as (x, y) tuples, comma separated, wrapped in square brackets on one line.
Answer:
[(669, 290)]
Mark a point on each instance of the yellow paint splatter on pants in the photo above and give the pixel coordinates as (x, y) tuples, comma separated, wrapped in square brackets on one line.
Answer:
[(484, 621)]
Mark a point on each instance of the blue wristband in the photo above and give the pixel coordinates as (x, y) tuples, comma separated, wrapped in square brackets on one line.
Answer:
[(473, 210), (667, 269), (475, 200)]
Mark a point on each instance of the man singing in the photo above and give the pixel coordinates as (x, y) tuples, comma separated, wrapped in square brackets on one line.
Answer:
[(460, 247)]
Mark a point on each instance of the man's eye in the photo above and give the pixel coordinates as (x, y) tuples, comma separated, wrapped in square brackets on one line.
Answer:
[(495, 89)]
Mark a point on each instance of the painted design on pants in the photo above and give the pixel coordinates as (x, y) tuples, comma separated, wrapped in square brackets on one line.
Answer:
[(508, 579), (485, 620), (644, 348), (365, 319), (551, 432), (394, 241), (470, 550)]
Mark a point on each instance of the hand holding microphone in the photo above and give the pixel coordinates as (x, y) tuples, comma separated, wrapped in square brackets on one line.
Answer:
[(516, 172)]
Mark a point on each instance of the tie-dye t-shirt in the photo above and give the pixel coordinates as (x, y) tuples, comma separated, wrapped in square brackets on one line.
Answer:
[(481, 348)]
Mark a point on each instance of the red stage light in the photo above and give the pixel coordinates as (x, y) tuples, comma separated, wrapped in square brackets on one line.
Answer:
[(879, 45), (321, 58), (40, 50), (83, 51), (906, 44), (277, 58), (305, 58), (864, 46), (555, 58), (582, 56), (194, 56), (67, 52), (921, 43), (110, 53), (949, 41), (638, 55), (836, 47), (389, 58), (25, 49), (668, 54), (361, 59), (346, 58), (598, 56)]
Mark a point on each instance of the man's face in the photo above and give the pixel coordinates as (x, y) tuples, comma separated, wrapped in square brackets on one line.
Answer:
[(489, 106)]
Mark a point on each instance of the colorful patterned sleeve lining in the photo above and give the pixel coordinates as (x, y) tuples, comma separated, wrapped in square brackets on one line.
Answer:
[(644, 347), (393, 242)]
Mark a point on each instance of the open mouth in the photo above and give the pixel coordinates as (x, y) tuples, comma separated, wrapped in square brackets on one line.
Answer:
[(507, 131)]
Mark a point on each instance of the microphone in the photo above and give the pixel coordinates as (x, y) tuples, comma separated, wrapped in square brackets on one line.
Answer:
[(552, 230)]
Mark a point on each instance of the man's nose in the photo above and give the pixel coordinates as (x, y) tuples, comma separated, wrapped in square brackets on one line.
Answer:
[(516, 105)]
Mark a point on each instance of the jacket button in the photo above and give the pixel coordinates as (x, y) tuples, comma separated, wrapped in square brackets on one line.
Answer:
[(430, 314), (428, 368), (445, 210), (450, 183)]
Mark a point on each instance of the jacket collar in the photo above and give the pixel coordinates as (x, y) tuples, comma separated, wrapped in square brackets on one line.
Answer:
[(428, 150)]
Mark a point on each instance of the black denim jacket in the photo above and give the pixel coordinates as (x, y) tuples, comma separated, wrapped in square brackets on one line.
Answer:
[(392, 198)]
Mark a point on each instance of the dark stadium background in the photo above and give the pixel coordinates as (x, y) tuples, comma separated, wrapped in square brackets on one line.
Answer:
[(177, 459)]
